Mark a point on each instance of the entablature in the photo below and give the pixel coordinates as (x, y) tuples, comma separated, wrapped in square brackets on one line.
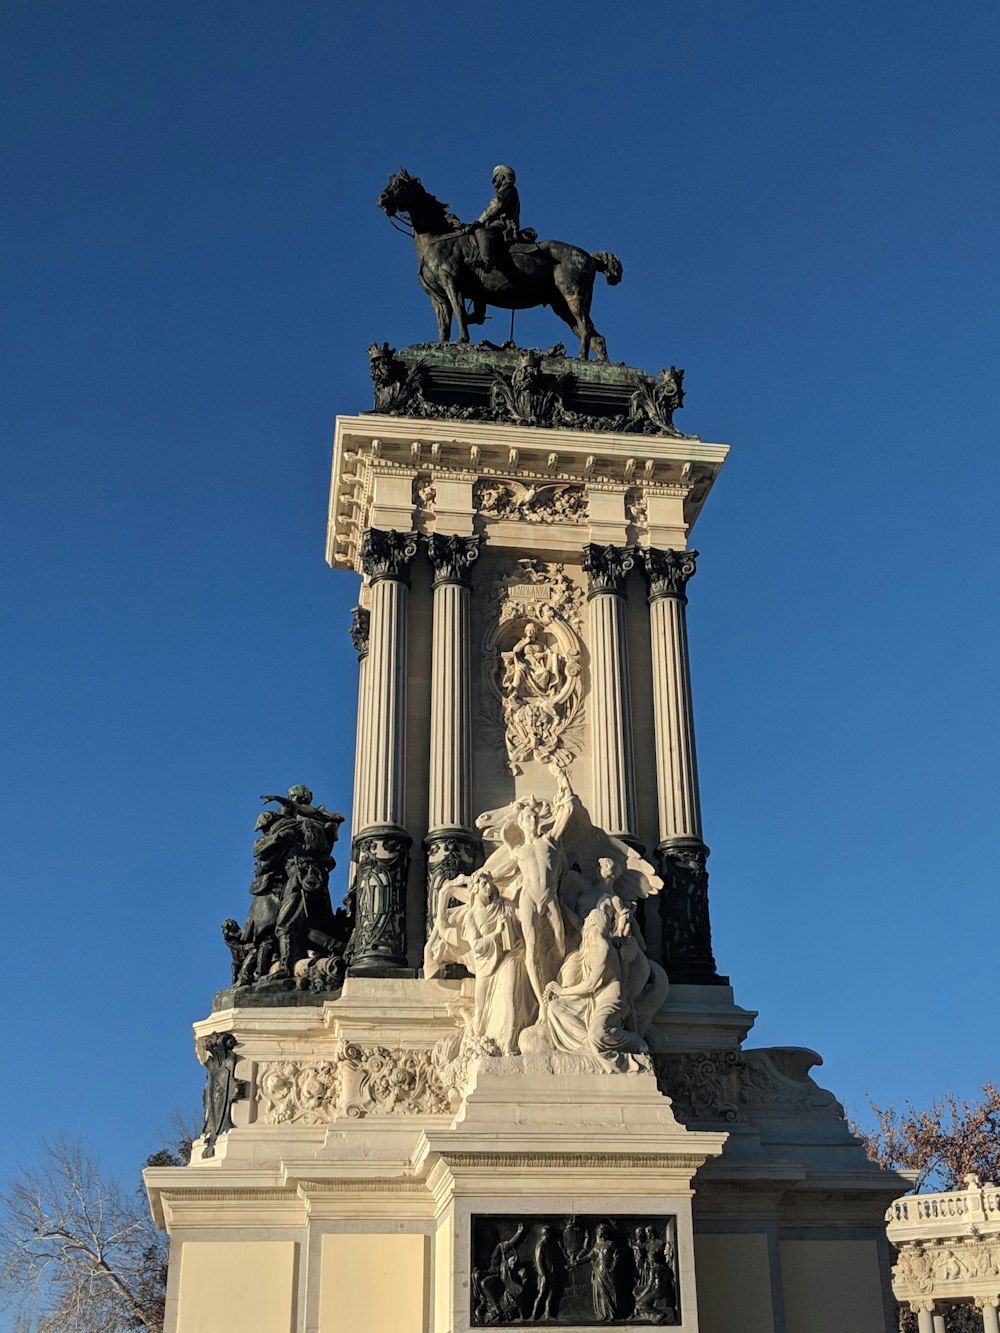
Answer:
[(518, 485)]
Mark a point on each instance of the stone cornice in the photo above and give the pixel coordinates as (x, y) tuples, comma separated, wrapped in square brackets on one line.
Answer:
[(366, 446)]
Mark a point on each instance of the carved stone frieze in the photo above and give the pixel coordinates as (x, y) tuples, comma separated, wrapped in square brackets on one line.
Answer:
[(667, 571), (531, 503), (452, 558), (606, 568), (360, 629), (703, 1085), (731, 1087), (298, 1092), (381, 855), (574, 1269), (358, 1081), (532, 662), (387, 554), (947, 1268)]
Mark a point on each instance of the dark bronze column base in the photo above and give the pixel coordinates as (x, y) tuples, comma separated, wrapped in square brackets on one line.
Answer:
[(687, 931), (382, 862)]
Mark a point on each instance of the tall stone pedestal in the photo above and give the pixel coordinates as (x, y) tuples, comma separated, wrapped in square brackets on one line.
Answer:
[(373, 1172), (577, 1136)]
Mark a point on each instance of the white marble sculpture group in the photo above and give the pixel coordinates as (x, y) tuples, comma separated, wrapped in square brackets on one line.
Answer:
[(548, 929)]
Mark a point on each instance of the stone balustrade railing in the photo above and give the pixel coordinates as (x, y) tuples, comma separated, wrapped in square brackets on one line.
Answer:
[(978, 1203)]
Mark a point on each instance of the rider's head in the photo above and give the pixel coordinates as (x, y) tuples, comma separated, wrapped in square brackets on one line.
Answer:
[(300, 795), (503, 175)]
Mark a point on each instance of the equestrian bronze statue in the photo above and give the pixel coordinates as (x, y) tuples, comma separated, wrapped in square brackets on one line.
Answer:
[(493, 262)]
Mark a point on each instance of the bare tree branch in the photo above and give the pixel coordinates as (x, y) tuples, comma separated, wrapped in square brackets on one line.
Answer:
[(78, 1254)]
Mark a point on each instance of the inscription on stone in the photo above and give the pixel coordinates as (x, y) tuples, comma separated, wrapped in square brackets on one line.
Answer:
[(578, 1270)]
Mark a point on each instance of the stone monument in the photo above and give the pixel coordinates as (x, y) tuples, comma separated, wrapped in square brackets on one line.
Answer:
[(506, 1083)]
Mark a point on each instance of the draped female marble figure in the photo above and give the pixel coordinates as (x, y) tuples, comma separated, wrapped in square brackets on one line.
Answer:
[(481, 931)]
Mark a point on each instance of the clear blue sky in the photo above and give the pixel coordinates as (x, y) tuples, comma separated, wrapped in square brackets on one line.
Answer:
[(804, 197)]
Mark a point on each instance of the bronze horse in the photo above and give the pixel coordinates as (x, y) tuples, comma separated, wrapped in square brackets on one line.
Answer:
[(548, 273)]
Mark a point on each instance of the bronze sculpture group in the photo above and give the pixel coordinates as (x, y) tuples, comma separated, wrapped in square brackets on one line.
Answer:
[(495, 262), (291, 932)]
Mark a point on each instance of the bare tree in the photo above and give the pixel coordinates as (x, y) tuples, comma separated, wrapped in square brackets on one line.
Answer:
[(78, 1253), (943, 1142)]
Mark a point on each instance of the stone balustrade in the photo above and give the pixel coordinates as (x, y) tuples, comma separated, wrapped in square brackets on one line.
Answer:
[(977, 1203)]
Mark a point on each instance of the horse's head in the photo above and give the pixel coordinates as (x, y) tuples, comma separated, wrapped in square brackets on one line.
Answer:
[(400, 191), (405, 194)]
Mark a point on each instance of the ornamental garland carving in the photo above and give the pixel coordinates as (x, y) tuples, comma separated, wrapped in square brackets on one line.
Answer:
[(532, 655), (359, 1081), (562, 502)]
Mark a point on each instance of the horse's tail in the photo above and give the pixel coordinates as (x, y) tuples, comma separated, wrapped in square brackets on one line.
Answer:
[(608, 264)]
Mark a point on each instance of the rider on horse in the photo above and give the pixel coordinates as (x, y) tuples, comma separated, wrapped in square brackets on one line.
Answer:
[(500, 220)]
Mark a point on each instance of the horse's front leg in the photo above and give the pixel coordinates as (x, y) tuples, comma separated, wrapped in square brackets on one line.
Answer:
[(458, 310), (442, 313), (448, 290)]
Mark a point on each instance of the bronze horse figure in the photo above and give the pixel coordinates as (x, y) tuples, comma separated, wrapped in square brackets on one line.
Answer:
[(550, 273)]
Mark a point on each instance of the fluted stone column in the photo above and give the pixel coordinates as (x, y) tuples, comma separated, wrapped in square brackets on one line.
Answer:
[(606, 568), (451, 845), (381, 843), (687, 931)]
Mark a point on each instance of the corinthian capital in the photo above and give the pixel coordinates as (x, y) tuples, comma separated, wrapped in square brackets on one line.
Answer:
[(667, 571), (387, 554), (452, 558), (606, 568)]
